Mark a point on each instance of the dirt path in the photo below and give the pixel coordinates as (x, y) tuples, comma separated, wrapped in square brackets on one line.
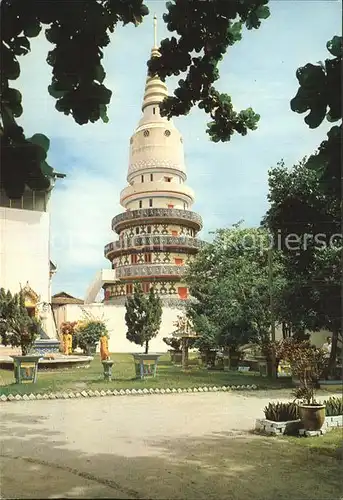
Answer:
[(184, 446)]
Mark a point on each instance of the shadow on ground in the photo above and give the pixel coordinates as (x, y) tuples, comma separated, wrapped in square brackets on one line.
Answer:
[(38, 462)]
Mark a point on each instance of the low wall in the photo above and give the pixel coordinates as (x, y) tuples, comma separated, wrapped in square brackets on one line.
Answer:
[(114, 317)]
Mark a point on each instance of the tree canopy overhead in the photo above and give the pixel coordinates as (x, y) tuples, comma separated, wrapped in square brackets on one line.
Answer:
[(79, 31), (306, 202), (207, 28)]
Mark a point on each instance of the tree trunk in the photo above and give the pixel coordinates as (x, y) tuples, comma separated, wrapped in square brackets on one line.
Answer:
[(184, 362), (333, 354), (271, 364), (146, 346)]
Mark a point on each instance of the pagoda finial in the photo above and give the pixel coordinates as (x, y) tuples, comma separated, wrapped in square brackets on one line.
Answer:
[(155, 31)]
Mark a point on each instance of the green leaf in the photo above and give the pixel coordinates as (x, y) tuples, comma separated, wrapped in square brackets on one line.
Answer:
[(57, 94), (263, 12), (21, 45), (33, 30), (41, 140), (334, 46), (46, 169), (103, 113), (99, 73)]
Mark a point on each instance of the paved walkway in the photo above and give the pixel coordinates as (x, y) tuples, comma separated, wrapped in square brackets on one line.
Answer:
[(184, 446)]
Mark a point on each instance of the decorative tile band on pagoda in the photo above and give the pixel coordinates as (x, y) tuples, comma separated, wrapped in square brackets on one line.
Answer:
[(151, 242), (150, 270), (173, 214), (172, 302)]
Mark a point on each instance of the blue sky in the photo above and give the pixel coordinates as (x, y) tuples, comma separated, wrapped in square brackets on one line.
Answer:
[(230, 179)]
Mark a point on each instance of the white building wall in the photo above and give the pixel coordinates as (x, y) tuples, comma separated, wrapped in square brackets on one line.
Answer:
[(25, 254), (114, 317), (24, 250)]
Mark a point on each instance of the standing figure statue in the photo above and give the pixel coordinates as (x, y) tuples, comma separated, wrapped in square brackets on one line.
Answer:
[(104, 353), (67, 344), (67, 330)]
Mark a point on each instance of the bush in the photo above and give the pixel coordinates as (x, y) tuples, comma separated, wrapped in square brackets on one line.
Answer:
[(17, 328), (307, 363), (281, 412), (173, 343), (89, 334), (333, 407)]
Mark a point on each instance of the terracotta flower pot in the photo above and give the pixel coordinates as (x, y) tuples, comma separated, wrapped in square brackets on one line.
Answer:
[(312, 416)]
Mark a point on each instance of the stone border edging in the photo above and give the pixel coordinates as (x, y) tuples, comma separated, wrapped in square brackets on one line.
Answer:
[(273, 428), (122, 392)]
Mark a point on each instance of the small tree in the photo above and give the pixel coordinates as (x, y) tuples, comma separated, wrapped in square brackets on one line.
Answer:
[(17, 328), (143, 316), (307, 363), (89, 334)]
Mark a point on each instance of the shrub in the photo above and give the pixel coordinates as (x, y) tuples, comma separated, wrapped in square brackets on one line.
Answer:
[(17, 328), (89, 333), (307, 363), (173, 343), (333, 407), (281, 412)]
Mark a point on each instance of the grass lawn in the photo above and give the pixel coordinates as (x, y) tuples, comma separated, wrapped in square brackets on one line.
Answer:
[(123, 374), (287, 467)]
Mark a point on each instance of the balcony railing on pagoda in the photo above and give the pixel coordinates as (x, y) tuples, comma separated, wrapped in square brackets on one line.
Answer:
[(154, 270), (156, 215), (154, 243)]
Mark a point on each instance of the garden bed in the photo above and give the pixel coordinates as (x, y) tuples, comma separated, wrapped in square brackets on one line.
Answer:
[(294, 427)]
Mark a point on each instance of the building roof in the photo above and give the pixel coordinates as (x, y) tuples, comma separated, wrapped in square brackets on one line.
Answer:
[(63, 298)]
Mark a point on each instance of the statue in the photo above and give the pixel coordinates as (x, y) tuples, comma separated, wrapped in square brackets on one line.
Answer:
[(67, 330), (104, 353), (67, 344)]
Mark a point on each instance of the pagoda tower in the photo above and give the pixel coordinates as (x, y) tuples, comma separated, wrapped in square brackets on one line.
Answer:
[(157, 231)]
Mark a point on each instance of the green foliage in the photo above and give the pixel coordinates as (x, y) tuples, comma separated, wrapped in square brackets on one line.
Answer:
[(89, 332), (229, 280), (17, 328), (320, 88), (333, 407), (306, 201), (307, 364), (300, 207), (143, 316), (79, 31), (173, 343), (281, 412), (207, 332), (208, 29)]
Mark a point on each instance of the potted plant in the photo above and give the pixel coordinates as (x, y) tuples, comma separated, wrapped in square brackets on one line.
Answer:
[(307, 363), (143, 320), (18, 329), (175, 351), (89, 333)]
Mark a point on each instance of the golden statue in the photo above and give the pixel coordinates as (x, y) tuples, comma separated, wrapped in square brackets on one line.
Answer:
[(104, 354), (67, 343)]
